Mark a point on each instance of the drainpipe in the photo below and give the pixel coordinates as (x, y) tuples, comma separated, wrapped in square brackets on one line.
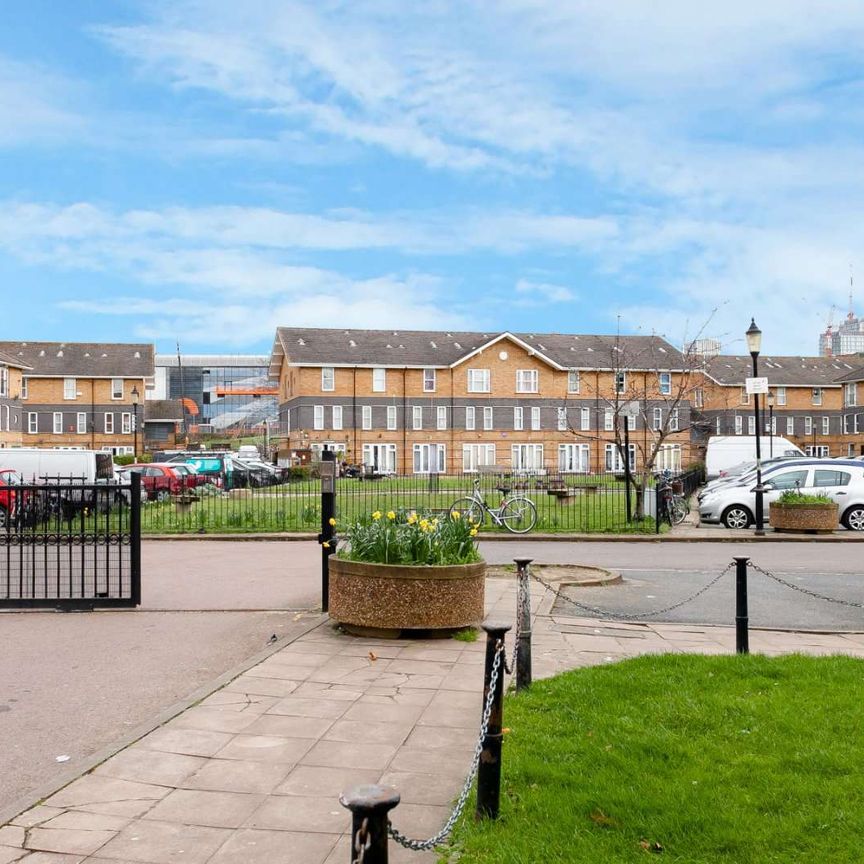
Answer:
[(405, 419), (354, 412)]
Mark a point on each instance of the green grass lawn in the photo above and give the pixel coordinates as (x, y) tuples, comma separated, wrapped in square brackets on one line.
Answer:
[(682, 759)]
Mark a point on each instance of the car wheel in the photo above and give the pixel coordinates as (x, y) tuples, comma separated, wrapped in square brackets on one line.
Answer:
[(853, 518), (163, 495), (737, 516)]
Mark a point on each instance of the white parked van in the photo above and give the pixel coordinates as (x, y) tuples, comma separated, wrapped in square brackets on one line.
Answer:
[(39, 465), (724, 451)]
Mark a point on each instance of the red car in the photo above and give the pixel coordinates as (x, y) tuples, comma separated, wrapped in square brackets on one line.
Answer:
[(9, 479), (160, 480)]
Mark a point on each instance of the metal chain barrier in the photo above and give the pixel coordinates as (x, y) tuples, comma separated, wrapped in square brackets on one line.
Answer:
[(361, 843), (815, 594), (631, 616), (432, 842), (522, 596)]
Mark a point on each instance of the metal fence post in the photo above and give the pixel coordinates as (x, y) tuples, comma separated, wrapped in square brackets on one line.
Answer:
[(328, 511), (742, 638), (369, 806), (489, 772), (135, 537), (523, 625)]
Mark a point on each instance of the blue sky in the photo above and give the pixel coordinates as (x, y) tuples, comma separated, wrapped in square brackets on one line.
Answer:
[(205, 171)]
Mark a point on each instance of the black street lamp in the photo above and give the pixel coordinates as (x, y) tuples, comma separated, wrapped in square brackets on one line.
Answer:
[(135, 395), (754, 343), (770, 400)]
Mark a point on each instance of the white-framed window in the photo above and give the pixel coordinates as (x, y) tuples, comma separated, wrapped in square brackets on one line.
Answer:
[(673, 420), (337, 417), (328, 379), (391, 418), (428, 380), (526, 457), (665, 383), (381, 457), (855, 424), (479, 381), (751, 425), (739, 424), (818, 451), (33, 423), (614, 462), (518, 421), (430, 458), (58, 423), (25, 388), (366, 417), (826, 425), (126, 423), (573, 382), (584, 419), (573, 458), (845, 424), (773, 425), (318, 417), (527, 380), (441, 417), (850, 395), (109, 423), (379, 380), (718, 425), (657, 419), (488, 418), (631, 422), (4, 381), (745, 397), (780, 395), (698, 398), (81, 423), (609, 420), (668, 458), (620, 382), (808, 425), (116, 388), (417, 417), (70, 388), (562, 420), (816, 398), (470, 418), (475, 455), (790, 425), (535, 419)]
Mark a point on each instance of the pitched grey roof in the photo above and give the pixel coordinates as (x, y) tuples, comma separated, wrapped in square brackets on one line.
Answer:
[(83, 359), (164, 410), (856, 374), (9, 360), (439, 348), (794, 371)]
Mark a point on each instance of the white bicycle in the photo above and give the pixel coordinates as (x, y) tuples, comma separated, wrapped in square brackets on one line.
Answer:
[(516, 513)]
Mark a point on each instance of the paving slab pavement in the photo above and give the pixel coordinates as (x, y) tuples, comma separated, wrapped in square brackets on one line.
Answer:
[(252, 772)]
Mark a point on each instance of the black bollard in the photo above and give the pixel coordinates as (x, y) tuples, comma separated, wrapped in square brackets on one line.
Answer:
[(369, 806), (327, 469), (523, 625), (489, 772), (742, 638)]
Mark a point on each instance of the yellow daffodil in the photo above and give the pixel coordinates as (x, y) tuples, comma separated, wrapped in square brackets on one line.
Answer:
[(424, 524), (391, 515), (473, 532), (332, 521), (412, 518), (455, 514), (435, 521), (326, 545), (376, 515)]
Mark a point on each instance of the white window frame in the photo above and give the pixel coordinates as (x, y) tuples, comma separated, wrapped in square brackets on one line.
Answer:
[(751, 425), (116, 392), (855, 424), (698, 397), (70, 389), (780, 395), (574, 381), (108, 422), (25, 388), (808, 425), (429, 380), (665, 383), (526, 457), (613, 463), (562, 420), (317, 417), (717, 425), (790, 425), (416, 417), (4, 380), (441, 417), (336, 412), (739, 424), (668, 458), (850, 395), (470, 418), (429, 458), (328, 379), (57, 426), (32, 423), (631, 422), (620, 382), (379, 380), (518, 418), (826, 425), (584, 419), (126, 423), (674, 420), (574, 458), (479, 381), (609, 420), (527, 381), (845, 424), (365, 417), (657, 419), (536, 424), (475, 455), (816, 396), (391, 418), (382, 457), (488, 418), (81, 423)]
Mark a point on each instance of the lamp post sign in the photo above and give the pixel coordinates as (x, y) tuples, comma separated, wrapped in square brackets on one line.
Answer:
[(755, 386)]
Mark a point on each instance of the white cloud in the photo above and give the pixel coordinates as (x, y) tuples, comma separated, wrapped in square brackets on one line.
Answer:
[(543, 292)]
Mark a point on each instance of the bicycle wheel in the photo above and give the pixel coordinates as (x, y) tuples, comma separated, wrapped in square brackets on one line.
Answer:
[(518, 515), (468, 508), (678, 511)]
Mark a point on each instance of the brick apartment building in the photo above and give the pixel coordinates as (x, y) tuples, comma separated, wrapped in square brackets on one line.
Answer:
[(11, 372), (78, 394), (443, 402)]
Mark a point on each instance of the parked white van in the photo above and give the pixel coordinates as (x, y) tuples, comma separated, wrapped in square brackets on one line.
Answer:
[(724, 451), (38, 465)]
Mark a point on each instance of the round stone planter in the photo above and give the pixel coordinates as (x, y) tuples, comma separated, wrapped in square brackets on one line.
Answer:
[(803, 518), (387, 599)]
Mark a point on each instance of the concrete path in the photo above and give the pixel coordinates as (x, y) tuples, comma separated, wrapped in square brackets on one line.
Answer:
[(253, 772)]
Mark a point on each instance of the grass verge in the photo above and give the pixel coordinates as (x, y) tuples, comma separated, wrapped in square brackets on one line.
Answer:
[(683, 759)]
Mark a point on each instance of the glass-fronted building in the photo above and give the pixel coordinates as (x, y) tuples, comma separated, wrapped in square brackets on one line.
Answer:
[(219, 392)]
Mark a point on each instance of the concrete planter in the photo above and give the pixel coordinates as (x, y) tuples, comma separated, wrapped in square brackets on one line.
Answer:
[(387, 599), (803, 518)]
